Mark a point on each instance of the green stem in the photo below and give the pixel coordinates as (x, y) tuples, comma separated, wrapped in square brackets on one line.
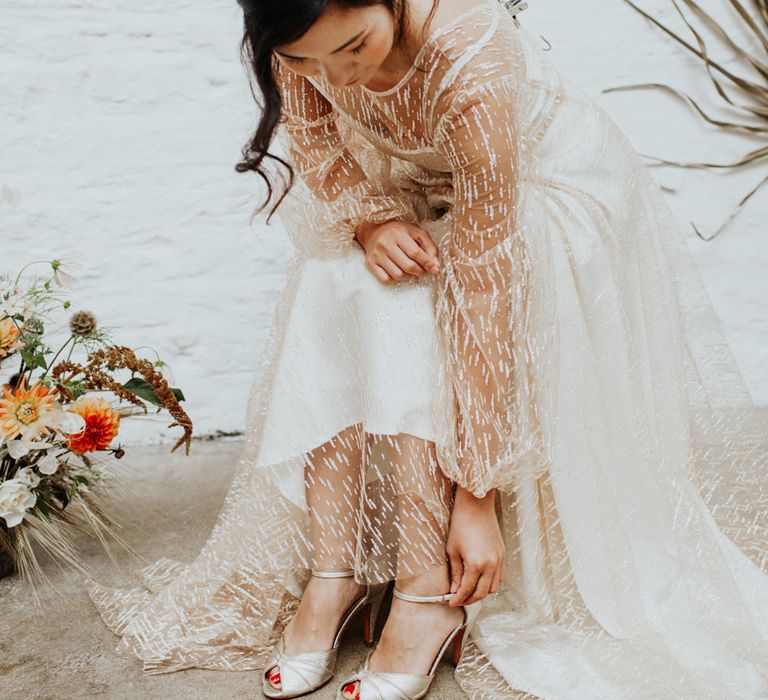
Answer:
[(34, 262), (53, 361), (69, 354)]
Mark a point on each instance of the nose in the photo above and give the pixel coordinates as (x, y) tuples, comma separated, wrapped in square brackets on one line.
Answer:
[(336, 77)]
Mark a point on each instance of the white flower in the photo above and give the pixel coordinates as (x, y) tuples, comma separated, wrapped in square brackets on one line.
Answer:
[(48, 464), (15, 500), (65, 267), (66, 421), (12, 299), (19, 448), (26, 475)]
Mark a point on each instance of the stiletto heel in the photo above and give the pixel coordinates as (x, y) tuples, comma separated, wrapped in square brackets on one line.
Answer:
[(458, 646), (371, 613), (299, 674), (367, 614), (412, 686)]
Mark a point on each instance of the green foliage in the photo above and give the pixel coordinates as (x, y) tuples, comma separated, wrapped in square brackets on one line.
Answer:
[(143, 389), (34, 358)]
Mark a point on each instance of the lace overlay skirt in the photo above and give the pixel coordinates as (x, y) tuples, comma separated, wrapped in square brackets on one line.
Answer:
[(634, 504), (338, 470)]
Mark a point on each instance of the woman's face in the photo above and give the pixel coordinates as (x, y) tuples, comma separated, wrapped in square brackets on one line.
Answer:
[(344, 46)]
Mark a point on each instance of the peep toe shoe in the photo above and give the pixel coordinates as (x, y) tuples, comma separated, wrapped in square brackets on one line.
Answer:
[(299, 674), (379, 685)]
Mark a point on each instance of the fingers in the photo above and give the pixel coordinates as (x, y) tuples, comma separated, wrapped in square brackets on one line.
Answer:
[(379, 272), (405, 262), (427, 262), (476, 581), (482, 587), (466, 587), (498, 574), (495, 581), (389, 264), (393, 269), (425, 242), (399, 251), (457, 569)]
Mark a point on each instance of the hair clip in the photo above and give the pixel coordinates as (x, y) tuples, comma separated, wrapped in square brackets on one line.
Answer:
[(514, 6)]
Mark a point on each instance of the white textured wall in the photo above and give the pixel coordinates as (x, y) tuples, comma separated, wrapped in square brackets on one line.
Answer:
[(121, 124)]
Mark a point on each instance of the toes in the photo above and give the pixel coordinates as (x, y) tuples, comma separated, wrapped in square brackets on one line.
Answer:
[(273, 676), (350, 691)]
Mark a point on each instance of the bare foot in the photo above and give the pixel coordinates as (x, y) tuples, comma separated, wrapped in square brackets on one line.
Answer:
[(314, 625)]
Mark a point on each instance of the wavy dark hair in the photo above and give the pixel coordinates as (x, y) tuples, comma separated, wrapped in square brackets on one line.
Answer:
[(267, 25)]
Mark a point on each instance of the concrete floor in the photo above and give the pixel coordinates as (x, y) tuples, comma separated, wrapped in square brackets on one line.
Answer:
[(67, 651)]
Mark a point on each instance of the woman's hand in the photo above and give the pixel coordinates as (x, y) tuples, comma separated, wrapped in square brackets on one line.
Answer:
[(475, 548), (395, 250)]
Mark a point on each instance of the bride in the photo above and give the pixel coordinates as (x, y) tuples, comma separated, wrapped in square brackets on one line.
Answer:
[(494, 383)]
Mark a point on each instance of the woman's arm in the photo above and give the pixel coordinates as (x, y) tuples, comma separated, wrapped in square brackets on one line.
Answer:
[(482, 289), (481, 304), (343, 195)]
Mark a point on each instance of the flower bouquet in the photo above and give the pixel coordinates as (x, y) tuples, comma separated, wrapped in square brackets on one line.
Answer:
[(57, 422)]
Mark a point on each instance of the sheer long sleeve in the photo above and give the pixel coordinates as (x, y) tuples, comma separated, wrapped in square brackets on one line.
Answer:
[(483, 305), (343, 182)]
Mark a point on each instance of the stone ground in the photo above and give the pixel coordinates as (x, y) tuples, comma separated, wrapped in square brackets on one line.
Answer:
[(67, 652)]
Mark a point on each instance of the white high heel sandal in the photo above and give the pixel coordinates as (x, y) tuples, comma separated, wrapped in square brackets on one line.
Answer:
[(380, 685), (299, 674)]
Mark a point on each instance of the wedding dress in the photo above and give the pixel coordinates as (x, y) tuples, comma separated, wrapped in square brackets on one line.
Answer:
[(566, 354)]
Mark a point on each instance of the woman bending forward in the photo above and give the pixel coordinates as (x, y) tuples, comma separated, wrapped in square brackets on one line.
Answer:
[(493, 378)]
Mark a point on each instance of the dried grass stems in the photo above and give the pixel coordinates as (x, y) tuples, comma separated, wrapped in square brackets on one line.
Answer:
[(752, 108), (85, 513)]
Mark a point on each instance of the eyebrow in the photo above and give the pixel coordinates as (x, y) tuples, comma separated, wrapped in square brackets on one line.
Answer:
[(344, 45)]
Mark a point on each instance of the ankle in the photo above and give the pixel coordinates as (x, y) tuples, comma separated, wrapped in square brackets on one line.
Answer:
[(322, 594), (322, 606), (434, 581)]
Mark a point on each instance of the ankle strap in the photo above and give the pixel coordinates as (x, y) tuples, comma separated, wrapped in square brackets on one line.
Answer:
[(440, 598), (332, 574)]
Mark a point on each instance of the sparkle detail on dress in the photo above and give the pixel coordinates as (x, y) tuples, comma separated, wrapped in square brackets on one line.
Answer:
[(567, 354)]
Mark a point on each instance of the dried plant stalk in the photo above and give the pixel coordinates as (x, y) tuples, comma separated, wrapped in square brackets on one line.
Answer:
[(84, 514), (120, 357), (753, 105)]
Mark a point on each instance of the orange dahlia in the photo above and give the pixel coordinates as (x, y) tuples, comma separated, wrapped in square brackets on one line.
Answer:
[(9, 332), (101, 425), (25, 411)]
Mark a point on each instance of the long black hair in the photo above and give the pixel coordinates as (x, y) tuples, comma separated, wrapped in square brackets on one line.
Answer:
[(267, 25)]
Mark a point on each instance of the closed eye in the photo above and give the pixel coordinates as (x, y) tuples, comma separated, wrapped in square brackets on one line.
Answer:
[(357, 49)]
